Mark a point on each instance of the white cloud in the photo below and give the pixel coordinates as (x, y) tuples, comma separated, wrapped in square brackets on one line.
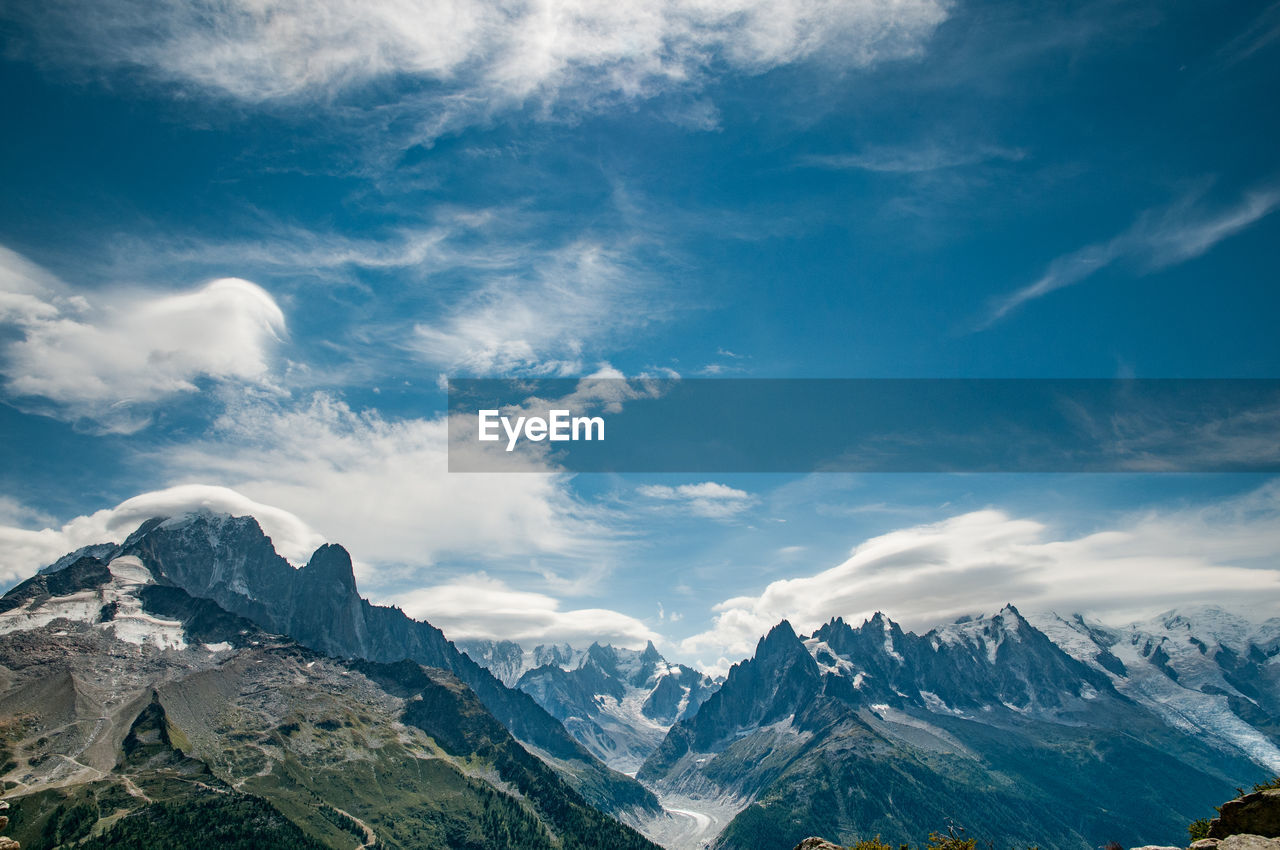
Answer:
[(481, 54), (976, 562), (108, 356), (23, 551), (1158, 239), (708, 499), (382, 487), (479, 606)]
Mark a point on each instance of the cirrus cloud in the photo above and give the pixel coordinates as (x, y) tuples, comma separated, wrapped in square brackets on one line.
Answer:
[(467, 58)]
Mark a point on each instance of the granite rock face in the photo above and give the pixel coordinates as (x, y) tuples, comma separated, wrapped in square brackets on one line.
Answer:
[(1256, 814)]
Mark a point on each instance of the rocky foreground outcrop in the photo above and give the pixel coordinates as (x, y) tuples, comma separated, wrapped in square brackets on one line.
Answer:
[(815, 843), (1253, 814)]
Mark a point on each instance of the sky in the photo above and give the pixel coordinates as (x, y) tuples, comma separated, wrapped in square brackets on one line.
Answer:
[(244, 244)]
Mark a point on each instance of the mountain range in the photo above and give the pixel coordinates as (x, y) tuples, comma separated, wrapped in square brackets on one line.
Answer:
[(134, 714), (987, 724), (618, 703), (191, 669)]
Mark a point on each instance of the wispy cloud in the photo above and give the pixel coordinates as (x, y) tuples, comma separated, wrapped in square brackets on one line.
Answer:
[(912, 160), (111, 355), (452, 238), (1262, 33), (470, 291), (1157, 240), (466, 58)]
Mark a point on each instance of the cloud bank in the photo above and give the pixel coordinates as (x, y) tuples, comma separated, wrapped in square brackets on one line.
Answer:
[(478, 606), (976, 562), (381, 487)]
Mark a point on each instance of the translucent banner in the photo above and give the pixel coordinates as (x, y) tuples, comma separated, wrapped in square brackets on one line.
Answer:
[(864, 425)]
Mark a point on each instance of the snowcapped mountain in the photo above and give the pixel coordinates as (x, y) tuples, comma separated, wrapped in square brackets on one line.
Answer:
[(854, 731), (230, 561), (1204, 670), (618, 703), (134, 711), (508, 660), (1055, 731)]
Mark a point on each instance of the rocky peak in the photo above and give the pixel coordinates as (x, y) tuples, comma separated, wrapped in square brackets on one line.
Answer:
[(330, 568), (780, 641)]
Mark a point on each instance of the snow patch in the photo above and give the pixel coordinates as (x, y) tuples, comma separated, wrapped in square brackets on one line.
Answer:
[(129, 622)]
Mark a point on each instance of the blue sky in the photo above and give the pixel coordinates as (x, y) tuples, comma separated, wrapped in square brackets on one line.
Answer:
[(243, 242)]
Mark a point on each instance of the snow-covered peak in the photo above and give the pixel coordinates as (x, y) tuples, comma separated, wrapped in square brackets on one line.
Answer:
[(1185, 666), (983, 633), (1212, 624)]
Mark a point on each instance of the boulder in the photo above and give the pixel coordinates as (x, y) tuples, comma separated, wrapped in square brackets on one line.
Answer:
[(1253, 814), (1205, 844), (815, 843), (1249, 842), (8, 844), (1155, 847)]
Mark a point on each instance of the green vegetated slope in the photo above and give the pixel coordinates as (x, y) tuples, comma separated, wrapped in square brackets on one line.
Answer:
[(157, 799), (1028, 794)]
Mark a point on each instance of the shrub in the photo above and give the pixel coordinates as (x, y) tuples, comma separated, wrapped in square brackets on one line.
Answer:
[(872, 844), (950, 841)]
